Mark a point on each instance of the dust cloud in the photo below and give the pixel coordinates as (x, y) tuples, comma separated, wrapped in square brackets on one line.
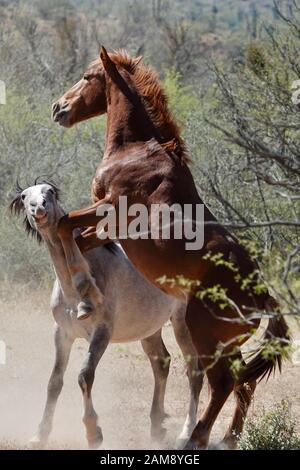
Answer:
[(122, 389)]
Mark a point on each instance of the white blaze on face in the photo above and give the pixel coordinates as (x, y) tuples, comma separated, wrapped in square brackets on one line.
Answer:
[(34, 199), (35, 195)]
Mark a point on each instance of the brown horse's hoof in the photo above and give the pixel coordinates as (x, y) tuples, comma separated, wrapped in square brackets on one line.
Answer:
[(229, 443), (191, 445), (84, 310), (96, 441)]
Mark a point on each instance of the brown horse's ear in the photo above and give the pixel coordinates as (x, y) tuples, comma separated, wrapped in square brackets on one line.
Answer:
[(137, 60), (106, 60)]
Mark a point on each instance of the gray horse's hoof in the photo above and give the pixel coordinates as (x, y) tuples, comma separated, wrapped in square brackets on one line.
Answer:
[(96, 441), (158, 434), (84, 310), (181, 443), (37, 442)]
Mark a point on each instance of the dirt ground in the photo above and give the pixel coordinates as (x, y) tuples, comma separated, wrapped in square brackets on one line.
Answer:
[(122, 389)]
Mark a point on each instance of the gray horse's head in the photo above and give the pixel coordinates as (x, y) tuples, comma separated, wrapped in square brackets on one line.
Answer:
[(40, 205)]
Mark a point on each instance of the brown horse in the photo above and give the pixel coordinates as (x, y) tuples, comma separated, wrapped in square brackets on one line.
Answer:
[(145, 160)]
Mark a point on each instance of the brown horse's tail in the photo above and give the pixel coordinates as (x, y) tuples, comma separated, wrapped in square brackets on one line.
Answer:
[(263, 364)]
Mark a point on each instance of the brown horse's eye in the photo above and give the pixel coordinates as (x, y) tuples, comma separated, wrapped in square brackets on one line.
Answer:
[(87, 77)]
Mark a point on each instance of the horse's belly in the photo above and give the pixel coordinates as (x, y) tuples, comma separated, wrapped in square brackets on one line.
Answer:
[(162, 266), (135, 322)]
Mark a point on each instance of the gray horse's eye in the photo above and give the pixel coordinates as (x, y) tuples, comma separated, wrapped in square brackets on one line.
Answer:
[(23, 197)]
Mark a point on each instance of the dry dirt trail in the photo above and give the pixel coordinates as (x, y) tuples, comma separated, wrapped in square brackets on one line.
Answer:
[(122, 389)]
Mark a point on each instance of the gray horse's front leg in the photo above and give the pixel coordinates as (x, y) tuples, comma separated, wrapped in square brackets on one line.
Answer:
[(63, 345), (160, 361), (98, 344)]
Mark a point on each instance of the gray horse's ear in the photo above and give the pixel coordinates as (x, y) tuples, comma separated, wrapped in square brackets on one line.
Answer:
[(106, 60)]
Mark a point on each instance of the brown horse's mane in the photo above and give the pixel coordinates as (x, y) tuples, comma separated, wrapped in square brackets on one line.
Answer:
[(155, 100)]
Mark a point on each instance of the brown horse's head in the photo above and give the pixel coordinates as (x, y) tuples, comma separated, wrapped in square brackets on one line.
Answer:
[(86, 99), (90, 96)]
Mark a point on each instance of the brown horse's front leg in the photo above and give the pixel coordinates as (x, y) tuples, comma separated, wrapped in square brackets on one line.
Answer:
[(89, 294), (88, 240)]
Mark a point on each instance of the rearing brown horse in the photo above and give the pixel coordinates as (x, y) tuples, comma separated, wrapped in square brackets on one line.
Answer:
[(145, 160)]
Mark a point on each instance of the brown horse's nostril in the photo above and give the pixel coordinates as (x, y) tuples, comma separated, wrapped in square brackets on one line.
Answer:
[(59, 111), (55, 107)]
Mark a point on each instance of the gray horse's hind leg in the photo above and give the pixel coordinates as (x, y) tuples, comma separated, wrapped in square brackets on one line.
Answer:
[(194, 373), (98, 345), (63, 345), (160, 361)]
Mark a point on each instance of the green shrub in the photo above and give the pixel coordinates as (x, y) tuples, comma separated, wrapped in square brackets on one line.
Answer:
[(274, 430), (181, 97)]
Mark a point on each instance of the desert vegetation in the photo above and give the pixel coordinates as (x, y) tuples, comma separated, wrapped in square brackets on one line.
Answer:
[(229, 69)]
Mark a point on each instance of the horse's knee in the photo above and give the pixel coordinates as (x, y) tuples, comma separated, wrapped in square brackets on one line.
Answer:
[(55, 384), (86, 380), (195, 372), (55, 387), (81, 282)]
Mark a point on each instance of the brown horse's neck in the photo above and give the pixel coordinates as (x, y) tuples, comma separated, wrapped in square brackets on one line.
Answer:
[(127, 120), (140, 85)]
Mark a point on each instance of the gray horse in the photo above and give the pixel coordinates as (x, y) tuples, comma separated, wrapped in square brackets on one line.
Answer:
[(132, 309)]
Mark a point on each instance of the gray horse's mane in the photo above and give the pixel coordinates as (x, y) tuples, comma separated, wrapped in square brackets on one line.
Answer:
[(16, 206)]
